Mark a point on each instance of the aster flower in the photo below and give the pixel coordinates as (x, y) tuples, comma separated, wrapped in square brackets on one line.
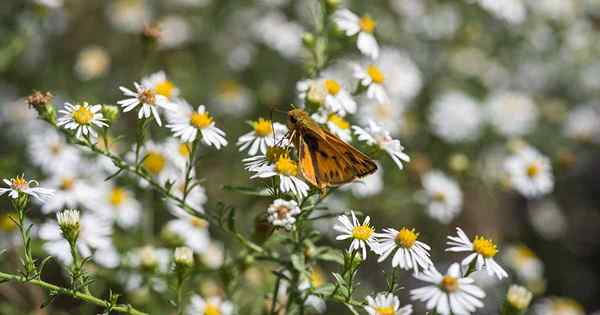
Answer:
[(69, 191), (364, 26), (145, 96), (450, 293), (19, 185), (482, 251), (529, 172), (82, 118), (161, 85), (455, 117), (374, 134), (186, 123), (264, 135), (335, 123), (210, 306), (373, 79), (386, 304), (287, 171), (524, 262), (338, 99), (49, 151), (442, 195), (410, 252), (511, 113), (118, 205), (256, 162), (282, 213), (191, 230), (362, 235)]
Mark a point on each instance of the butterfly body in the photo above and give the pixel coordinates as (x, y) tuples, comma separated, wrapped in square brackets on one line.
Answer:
[(324, 159)]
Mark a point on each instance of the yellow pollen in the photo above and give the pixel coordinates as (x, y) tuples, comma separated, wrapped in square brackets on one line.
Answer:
[(184, 149), (274, 153), (200, 120), (362, 232), (439, 197), (117, 196), (154, 162), (385, 310), (263, 127), (165, 88), (533, 169), (339, 122), (199, 223), (19, 183), (211, 309), (484, 246), (333, 87), (367, 24), (6, 224), (375, 74), (147, 96), (449, 284), (67, 183), (406, 238), (83, 115), (286, 166)]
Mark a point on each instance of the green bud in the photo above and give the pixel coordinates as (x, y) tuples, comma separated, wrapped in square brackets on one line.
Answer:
[(184, 257), (333, 4), (68, 221), (110, 113), (308, 39)]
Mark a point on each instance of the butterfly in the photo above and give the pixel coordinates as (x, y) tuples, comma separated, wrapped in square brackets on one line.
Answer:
[(324, 159)]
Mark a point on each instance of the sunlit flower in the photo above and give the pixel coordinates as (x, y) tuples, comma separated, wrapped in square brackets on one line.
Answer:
[(374, 134), (148, 98), (410, 253), (558, 306), (157, 163), (442, 195), (364, 26), (265, 134), (143, 262), (373, 79), (482, 251), (256, 162), (214, 255), (338, 99), (69, 191), (118, 205), (455, 117), (186, 123), (513, 11), (282, 213), (386, 304), (529, 172), (82, 118), (511, 113), (287, 171), (210, 306), (362, 235), (19, 185), (161, 85), (403, 79), (448, 294)]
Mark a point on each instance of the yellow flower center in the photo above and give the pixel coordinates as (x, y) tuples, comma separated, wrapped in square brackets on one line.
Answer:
[(385, 310), (286, 166), (19, 183), (6, 223), (375, 74), (165, 88), (263, 127), (83, 115), (117, 196), (533, 169), (67, 183), (406, 238), (439, 197), (154, 162), (274, 153), (362, 232), (184, 149), (339, 121), (200, 120), (484, 247), (333, 87), (449, 284), (211, 309), (147, 96), (199, 223), (367, 24), (524, 254)]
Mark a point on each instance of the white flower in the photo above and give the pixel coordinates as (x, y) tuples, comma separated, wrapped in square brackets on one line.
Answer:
[(118, 205), (482, 251), (82, 118), (192, 230), (583, 123), (277, 32), (147, 259), (455, 117), (389, 115), (174, 31), (49, 151), (232, 98), (210, 306), (70, 191), (264, 135), (386, 304), (362, 235), (524, 262), (156, 161), (450, 293), (364, 26), (547, 219), (20, 185), (442, 195), (335, 123), (214, 255), (287, 172), (558, 306), (145, 96), (375, 134), (403, 79), (338, 99), (410, 252), (161, 85), (282, 213), (373, 79), (518, 297), (529, 172), (129, 15), (185, 124), (184, 256), (511, 113)]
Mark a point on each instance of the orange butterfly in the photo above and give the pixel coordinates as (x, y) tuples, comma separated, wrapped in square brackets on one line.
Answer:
[(324, 159)]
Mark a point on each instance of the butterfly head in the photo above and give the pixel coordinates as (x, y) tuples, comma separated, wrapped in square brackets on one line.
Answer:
[(297, 117)]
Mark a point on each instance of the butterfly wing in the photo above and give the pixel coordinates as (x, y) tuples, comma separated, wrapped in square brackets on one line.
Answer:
[(306, 162)]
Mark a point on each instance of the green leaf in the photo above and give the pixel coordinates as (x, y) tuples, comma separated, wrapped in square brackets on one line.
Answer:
[(298, 262), (326, 289)]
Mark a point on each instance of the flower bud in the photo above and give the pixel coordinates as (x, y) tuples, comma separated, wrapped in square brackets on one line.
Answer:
[(333, 4), (184, 257), (458, 162), (68, 221), (308, 39), (316, 93), (110, 112), (518, 299)]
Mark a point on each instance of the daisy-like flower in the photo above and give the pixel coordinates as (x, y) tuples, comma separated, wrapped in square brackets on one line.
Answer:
[(145, 96), (373, 79), (386, 304), (364, 26), (70, 191), (185, 124), (450, 293), (511, 113), (232, 98), (19, 185), (389, 115), (156, 161), (410, 252), (210, 306), (524, 262), (338, 99), (82, 118), (287, 171), (49, 151), (265, 134), (362, 235), (455, 117), (161, 85), (374, 134), (335, 123), (529, 172), (482, 251), (257, 162), (191, 230), (442, 195), (118, 205), (282, 213)]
